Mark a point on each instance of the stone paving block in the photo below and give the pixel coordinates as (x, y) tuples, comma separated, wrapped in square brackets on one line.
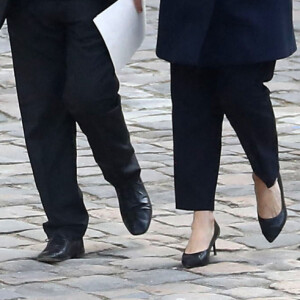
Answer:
[(225, 245), (234, 281), (8, 294), (18, 278), (196, 296), (238, 201), (292, 275), (235, 179), (49, 290), (269, 256), (37, 220), (225, 219), (244, 212), (100, 191), (291, 287), (177, 221), (235, 191), (155, 277), (226, 268), (74, 295), (9, 105), (249, 292), (236, 168), (175, 288), (13, 254), (95, 260), (12, 242), (124, 294), (107, 228), (98, 283), (89, 171), (276, 298), (106, 215), (253, 227), (14, 212), (34, 234), (154, 176), (146, 263), (160, 239), (12, 154), (127, 241), (10, 226), (71, 271), (258, 241), (92, 246), (90, 233), (26, 265)]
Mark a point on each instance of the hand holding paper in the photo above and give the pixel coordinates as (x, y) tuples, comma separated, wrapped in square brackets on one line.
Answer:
[(123, 29), (138, 5)]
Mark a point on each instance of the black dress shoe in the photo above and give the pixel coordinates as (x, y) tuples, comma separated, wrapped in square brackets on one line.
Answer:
[(272, 227), (60, 248), (135, 207), (200, 259)]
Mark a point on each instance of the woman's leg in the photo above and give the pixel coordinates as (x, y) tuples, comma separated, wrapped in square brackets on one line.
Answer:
[(197, 127), (246, 102)]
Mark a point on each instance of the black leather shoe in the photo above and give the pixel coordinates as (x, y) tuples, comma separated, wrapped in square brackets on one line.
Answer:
[(200, 259), (272, 227), (135, 207), (60, 248)]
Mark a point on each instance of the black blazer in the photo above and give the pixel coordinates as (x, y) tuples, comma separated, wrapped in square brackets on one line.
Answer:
[(220, 32), (3, 11)]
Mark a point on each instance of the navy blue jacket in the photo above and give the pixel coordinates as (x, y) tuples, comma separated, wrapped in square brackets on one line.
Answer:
[(220, 32)]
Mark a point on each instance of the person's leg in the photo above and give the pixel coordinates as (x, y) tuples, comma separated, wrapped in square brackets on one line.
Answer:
[(91, 96), (38, 47), (246, 103), (197, 128)]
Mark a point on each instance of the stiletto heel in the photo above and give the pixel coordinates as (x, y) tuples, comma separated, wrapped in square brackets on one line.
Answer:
[(215, 249), (272, 227), (201, 258)]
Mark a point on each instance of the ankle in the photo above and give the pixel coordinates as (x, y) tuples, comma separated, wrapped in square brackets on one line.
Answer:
[(257, 180), (203, 219)]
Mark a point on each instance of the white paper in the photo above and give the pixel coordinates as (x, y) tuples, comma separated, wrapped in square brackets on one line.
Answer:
[(123, 30)]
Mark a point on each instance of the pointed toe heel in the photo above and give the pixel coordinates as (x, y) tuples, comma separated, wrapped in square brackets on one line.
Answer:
[(201, 258), (271, 228)]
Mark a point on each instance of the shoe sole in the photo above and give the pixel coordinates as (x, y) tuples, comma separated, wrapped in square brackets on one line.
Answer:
[(55, 260)]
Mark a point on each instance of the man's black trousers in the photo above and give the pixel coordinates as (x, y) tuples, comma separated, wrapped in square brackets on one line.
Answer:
[(201, 97), (65, 76)]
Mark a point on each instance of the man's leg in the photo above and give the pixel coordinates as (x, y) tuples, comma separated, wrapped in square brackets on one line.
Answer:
[(92, 98), (50, 132)]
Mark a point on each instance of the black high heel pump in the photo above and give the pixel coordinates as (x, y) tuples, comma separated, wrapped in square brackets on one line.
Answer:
[(272, 227), (201, 258)]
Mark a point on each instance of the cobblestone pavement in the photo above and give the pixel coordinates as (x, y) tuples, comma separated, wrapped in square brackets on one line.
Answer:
[(120, 266)]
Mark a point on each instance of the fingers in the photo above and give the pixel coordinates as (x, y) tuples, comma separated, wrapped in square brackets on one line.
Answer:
[(139, 5)]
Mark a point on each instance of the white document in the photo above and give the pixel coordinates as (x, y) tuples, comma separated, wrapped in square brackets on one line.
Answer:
[(123, 30)]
